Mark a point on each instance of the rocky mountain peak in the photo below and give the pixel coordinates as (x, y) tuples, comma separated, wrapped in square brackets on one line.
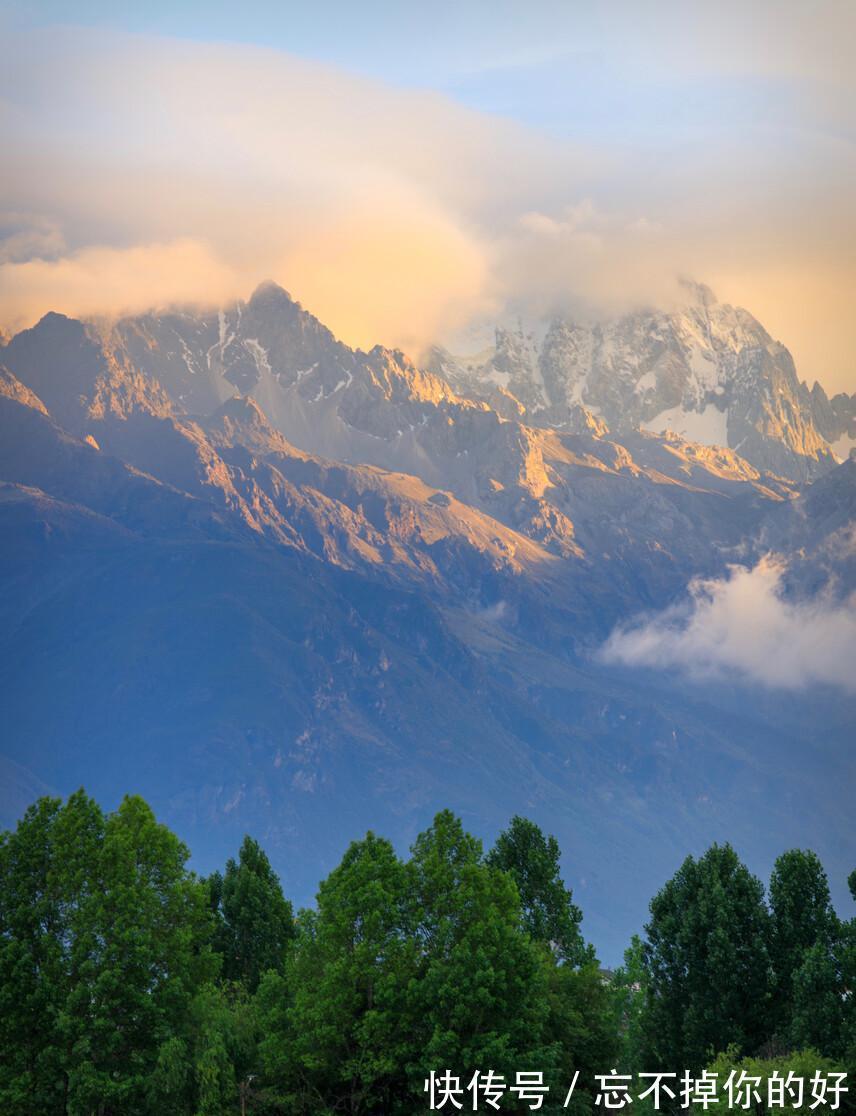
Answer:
[(12, 388), (705, 370), (270, 300), (241, 421), (79, 376), (271, 293)]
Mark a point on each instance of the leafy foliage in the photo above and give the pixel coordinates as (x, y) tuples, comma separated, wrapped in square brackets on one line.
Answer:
[(104, 940), (128, 986), (804, 934), (549, 912), (802, 1064), (255, 921), (335, 1025), (709, 973), (629, 988)]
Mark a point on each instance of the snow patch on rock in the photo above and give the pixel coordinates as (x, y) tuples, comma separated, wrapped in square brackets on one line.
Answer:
[(709, 426)]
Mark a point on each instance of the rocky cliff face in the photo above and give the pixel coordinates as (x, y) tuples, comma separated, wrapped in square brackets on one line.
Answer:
[(707, 371)]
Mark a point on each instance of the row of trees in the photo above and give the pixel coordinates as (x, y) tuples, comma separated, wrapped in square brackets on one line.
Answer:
[(128, 985), (724, 967)]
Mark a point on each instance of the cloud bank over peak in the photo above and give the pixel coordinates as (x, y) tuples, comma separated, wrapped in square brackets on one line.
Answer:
[(743, 625), (143, 170)]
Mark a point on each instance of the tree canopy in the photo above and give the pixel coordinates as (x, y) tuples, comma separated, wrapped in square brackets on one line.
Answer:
[(549, 912), (130, 986), (255, 922), (707, 957)]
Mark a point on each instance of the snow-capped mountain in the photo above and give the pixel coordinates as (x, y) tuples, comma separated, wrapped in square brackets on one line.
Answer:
[(707, 371), (154, 382)]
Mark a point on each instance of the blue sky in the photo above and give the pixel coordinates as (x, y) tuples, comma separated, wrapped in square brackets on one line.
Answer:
[(628, 69)]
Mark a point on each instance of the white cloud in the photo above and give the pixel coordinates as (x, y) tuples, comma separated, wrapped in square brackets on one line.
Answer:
[(397, 214), (742, 624)]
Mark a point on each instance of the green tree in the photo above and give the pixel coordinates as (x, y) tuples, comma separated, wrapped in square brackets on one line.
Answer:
[(44, 880), (549, 912), (481, 999), (335, 1025), (255, 922), (578, 1028), (823, 1003), (709, 979), (628, 993), (579, 1033), (848, 964), (201, 1070), (144, 943), (818, 1005), (103, 943), (225, 1038), (804, 934)]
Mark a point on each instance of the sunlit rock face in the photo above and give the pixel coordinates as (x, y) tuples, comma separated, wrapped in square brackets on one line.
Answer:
[(708, 371)]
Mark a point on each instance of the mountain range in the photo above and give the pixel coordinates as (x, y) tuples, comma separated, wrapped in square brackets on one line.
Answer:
[(283, 586)]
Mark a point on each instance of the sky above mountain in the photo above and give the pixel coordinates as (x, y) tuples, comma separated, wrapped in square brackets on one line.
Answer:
[(405, 171)]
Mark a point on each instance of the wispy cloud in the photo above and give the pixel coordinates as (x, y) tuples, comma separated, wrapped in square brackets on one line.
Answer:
[(742, 625), (398, 214)]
